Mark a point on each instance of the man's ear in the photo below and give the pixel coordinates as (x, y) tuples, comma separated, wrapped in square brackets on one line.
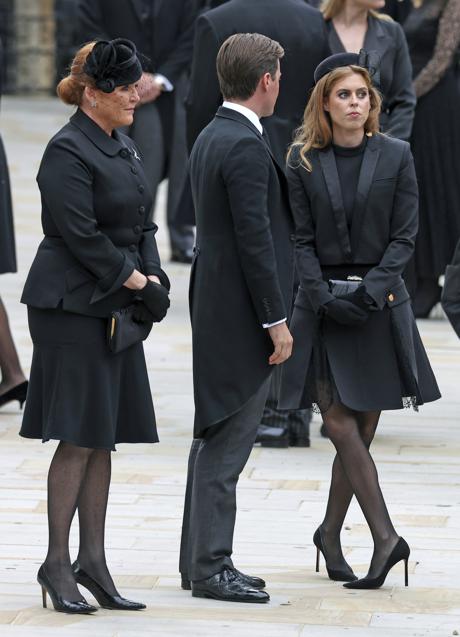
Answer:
[(265, 81)]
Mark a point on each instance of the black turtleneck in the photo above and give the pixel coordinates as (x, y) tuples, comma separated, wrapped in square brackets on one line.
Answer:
[(348, 160)]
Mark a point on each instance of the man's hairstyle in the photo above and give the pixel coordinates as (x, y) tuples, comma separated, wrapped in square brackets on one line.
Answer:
[(242, 60)]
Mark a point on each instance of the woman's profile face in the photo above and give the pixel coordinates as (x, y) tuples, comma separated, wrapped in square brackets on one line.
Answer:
[(348, 103), (117, 108)]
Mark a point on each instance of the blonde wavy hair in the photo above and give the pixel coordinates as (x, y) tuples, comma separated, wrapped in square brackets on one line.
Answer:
[(316, 128), (330, 8)]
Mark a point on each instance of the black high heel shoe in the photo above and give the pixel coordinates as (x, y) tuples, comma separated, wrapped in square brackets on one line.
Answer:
[(18, 393), (104, 599), (60, 604), (334, 574), (400, 552)]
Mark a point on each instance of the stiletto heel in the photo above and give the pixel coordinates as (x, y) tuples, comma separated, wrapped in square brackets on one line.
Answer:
[(334, 574), (400, 552), (60, 604), (18, 393), (104, 599)]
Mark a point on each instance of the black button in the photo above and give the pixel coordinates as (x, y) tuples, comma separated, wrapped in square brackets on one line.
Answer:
[(137, 229), (124, 152), (141, 210), (132, 248), (292, 237), (140, 188), (134, 170)]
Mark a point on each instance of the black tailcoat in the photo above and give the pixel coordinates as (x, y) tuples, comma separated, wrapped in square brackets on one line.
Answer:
[(242, 273), (365, 360), (388, 39), (300, 30), (95, 205)]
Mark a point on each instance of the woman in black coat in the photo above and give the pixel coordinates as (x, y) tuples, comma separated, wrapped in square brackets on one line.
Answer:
[(357, 350), (98, 255), (356, 24)]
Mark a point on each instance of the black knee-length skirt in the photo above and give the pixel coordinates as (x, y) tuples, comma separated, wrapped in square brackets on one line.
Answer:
[(81, 393)]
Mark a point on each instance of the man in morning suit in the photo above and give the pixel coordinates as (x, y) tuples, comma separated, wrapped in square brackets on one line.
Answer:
[(240, 296), (162, 31), (299, 28)]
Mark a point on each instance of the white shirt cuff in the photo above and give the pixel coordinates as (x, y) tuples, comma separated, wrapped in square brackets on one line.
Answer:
[(168, 87), (265, 325)]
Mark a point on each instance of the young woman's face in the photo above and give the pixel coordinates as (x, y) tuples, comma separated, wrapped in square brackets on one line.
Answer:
[(349, 103), (117, 108)]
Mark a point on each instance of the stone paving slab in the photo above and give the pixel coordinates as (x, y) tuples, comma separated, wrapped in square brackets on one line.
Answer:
[(282, 493)]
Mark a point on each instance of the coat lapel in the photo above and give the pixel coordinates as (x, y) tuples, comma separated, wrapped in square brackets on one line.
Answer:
[(331, 177), (366, 176), (156, 7), (138, 9), (376, 38)]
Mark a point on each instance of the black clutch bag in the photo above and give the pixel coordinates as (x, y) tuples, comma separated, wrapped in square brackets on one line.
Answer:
[(341, 288), (123, 331)]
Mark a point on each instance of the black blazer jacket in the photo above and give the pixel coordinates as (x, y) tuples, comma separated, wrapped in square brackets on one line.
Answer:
[(95, 204), (388, 39), (300, 30), (242, 272), (167, 41), (384, 223)]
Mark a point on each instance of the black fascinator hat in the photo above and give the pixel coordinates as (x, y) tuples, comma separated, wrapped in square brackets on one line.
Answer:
[(369, 60), (113, 63)]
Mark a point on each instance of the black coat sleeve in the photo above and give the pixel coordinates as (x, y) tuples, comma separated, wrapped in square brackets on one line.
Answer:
[(90, 21), (204, 95), (401, 97), (246, 170), (149, 254), (403, 231), (179, 59), (307, 263), (66, 186)]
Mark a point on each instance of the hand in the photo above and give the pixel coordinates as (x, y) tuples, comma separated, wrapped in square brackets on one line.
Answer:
[(136, 280), (345, 312), (156, 300), (149, 89), (282, 341), (360, 298), (154, 278), (141, 314)]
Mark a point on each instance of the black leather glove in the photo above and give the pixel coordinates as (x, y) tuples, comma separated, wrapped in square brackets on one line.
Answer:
[(345, 312), (360, 298), (156, 300), (141, 314)]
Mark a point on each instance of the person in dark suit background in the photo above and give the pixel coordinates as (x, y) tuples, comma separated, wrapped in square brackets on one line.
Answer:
[(357, 351), (356, 24), (300, 30), (243, 263), (13, 385), (163, 32), (98, 255)]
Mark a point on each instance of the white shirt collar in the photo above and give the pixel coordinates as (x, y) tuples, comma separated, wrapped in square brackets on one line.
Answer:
[(252, 117)]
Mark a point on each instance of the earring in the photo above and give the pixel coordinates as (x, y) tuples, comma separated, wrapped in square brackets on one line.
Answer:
[(93, 104)]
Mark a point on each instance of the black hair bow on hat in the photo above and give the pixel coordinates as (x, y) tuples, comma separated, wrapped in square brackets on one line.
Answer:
[(369, 60), (113, 63)]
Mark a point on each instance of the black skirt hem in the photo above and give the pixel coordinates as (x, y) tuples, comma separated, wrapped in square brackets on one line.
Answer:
[(86, 446)]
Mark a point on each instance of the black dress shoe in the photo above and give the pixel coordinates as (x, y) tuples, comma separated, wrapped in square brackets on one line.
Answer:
[(182, 256), (104, 599), (343, 575), (60, 604), (248, 580), (228, 587), (18, 393), (272, 436), (400, 552)]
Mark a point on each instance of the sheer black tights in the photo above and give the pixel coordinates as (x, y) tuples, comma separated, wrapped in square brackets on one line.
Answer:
[(10, 367), (354, 473), (78, 478)]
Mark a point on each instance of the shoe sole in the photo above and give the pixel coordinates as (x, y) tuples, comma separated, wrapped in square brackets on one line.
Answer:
[(283, 444), (226, 599)]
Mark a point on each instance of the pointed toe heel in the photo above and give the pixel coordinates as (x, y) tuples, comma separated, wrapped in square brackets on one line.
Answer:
[(337, 575), (18, 393), (104, 599), (400, 553), (60, 604)]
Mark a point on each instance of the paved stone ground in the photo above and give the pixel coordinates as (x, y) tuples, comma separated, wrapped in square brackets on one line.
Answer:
[(281, 497)]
